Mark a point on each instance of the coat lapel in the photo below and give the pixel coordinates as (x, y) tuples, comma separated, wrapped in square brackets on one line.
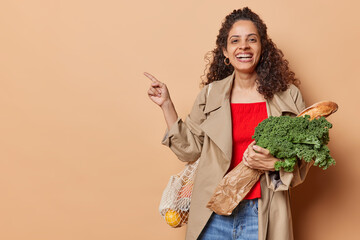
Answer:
[(218, 125)]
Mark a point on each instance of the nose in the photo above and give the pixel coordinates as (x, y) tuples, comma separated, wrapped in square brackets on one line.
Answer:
[(243, 44)]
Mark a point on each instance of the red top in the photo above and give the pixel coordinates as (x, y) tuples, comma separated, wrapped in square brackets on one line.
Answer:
[(245, 117)]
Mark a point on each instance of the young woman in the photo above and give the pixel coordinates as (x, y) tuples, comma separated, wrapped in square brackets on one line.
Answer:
[(248, 81)]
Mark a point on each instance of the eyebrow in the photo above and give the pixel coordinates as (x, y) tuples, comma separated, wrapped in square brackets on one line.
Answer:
[(251, 34)]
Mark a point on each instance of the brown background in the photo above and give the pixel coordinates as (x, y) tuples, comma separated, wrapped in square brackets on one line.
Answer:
[(80, 152)]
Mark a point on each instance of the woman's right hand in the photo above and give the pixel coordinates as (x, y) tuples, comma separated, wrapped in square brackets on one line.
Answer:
[(158, 91)]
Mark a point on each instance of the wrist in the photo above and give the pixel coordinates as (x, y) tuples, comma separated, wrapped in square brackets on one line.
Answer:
[(167, 104), (169, 112)]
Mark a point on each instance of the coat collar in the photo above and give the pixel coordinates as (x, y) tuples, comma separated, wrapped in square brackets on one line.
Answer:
[(218, 125), (220, 91)]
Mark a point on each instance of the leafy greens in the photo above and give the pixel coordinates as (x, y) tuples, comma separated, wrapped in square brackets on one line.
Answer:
[(292, 138)]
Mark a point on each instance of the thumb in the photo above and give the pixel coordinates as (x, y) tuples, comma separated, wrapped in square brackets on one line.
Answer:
[(260, 149), (252, 144)]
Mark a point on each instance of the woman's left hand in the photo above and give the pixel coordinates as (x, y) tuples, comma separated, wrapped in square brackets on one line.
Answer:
[(259, 158)]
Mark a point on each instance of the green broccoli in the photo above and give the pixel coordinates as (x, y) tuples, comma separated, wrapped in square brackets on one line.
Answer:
[(293, 138)]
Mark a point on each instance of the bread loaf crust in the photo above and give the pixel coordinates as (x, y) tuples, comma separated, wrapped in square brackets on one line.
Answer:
[(320, 109)]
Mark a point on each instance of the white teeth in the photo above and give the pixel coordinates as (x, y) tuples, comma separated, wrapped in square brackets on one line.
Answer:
[(243, 55)]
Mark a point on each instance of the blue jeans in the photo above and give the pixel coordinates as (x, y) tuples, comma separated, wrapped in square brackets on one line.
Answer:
[(241, 224)]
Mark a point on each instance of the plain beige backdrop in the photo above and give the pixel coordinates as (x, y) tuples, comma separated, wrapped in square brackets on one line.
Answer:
[(80, 152)]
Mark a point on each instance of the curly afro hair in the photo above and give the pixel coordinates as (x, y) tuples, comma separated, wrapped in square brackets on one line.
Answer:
[(272, 70)]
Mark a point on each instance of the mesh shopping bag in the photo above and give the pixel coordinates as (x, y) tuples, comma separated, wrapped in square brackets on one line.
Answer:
[(176, 198)]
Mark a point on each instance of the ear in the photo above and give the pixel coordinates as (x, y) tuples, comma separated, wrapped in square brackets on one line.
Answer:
[(225, 52)]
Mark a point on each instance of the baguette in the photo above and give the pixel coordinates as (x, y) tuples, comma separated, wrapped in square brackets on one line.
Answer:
[(320, 109)]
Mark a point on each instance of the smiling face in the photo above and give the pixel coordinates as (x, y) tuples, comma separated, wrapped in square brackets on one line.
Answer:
[(243, 46)]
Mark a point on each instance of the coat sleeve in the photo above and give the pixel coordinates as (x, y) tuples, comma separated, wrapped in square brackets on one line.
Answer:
[(281, 180), (186, 138)]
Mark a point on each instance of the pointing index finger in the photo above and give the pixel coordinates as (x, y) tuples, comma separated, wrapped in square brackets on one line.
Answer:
[(151, 77)]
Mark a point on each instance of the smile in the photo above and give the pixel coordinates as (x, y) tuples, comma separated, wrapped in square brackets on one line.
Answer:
[(244, 57)]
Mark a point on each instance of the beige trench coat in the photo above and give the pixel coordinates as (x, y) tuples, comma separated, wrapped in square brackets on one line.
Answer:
[(207, 134)]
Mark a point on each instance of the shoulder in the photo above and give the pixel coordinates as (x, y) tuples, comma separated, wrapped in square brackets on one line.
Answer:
[(200, 101), (211, 91), (294, 90), (202, 95), (292, 93), (289, 100)]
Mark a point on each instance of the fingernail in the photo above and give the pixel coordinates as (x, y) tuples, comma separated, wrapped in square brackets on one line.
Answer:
[(255, 147)]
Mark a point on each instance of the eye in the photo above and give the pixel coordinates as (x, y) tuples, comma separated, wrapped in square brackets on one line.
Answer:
[(252, 40), (234, 41)]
